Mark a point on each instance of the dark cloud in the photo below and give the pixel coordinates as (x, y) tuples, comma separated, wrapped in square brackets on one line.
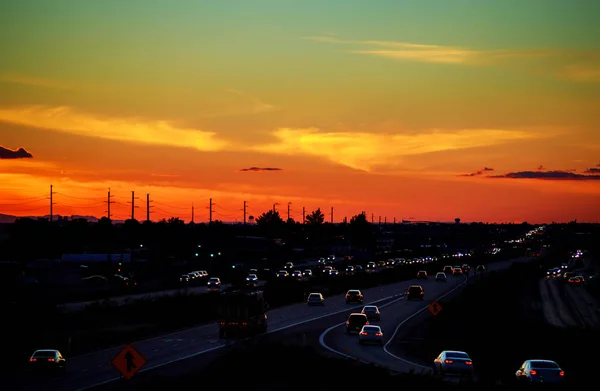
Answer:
[(478, 172), (593, 170), (20, 153), (547, 175), (260, 169)]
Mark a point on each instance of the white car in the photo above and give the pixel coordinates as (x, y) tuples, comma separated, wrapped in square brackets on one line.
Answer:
[(307, 273), (370, 334), (452, 361), (540, 371), (315, 299)]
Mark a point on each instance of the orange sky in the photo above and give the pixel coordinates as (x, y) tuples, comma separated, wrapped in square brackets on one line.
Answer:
[(367, 115)]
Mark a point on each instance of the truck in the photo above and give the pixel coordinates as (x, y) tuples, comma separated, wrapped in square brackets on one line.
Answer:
[(242, 313)]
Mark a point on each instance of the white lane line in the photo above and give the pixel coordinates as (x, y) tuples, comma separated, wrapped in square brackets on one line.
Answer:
[(149, 368), (385, 347), (324, 334)]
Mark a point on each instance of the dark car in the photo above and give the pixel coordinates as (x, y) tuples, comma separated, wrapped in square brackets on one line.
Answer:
[(47, 360), (354, 296), (355, 322), (415, 292), (421, 275), (372, 312)]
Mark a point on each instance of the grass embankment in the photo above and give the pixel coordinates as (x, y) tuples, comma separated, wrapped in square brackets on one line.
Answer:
[(499, 322)]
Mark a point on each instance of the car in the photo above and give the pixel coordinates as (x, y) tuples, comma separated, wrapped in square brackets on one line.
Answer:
[(540, 371), (333, 273), (355, 322), (354, 296), (372, 312), (358, 269), (252, 280), (441, 277), (184, 278), (47, 360), (554, 272), (315, 299), (307, 273), (349, 270), (288, 266), (297, 274), (370, 334), (415, 292), (371, 266), (327, 269), (574, 281), (422, 275), (214, 283), (581, 279), (448, 270), (282, 274), (466, 268), (452, 361), (458, 271), (480, 269)]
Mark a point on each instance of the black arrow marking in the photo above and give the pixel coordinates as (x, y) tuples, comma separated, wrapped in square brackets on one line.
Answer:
[(129, 358)]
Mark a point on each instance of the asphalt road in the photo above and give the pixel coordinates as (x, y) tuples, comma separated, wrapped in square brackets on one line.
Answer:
[(393, 316), (95, 368)]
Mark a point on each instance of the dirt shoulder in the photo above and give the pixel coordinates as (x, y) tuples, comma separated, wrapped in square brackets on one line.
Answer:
[(500, 322)]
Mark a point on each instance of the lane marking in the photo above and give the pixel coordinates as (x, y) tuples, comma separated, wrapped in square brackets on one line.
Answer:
[(149, 368), (324, 334)]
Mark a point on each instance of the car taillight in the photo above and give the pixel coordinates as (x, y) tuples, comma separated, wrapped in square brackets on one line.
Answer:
[(50, 359), (562, 373), (533, 372), (378, 335), (222, 323), (363, 333), (347, 322), (469, 362), (32, 359), (244, 323), (448, 361), (367, 322)]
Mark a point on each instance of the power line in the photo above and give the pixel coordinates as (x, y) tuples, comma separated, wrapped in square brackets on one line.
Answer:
[(108, 203), (27, 202)]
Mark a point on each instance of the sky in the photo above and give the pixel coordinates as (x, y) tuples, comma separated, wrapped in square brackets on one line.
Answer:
[(416, 109)]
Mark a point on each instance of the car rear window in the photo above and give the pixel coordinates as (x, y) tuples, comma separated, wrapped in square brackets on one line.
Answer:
[(414, 289), (543, 364), (457, 355), (45, 353), (357, 318)]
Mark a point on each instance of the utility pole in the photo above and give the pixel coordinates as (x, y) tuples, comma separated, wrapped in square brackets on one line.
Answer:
[(332, 215), (394, 221), (385, 220), (372, 218), (210, 210), (51, 202), (244, 212), (192, 213), (132, 202), (109, 201), (289, 206), (274, 210), (379, 220), (303, 215), (148, 207)]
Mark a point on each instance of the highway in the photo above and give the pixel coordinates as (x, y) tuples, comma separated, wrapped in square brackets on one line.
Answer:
[(394, 315), (95, 368)]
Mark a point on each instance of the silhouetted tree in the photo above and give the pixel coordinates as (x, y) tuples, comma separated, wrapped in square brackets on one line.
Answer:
[(361, 231), (269, 219), (316, 217)]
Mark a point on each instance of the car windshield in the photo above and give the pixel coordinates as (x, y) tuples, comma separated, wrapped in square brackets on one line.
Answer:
[(315, 296), (544, 364), (353, 292), (456, 355), (252, 276), (45, 353), (214, 279), (370, 309)]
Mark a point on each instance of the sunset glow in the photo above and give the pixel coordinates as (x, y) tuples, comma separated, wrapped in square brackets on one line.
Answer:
[(404, 110)]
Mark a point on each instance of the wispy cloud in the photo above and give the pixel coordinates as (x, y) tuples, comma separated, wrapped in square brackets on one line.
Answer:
[(580, 66), (478, 172), (134, 130), (365, 151), (255, 169), (6, 153), (434, 53)]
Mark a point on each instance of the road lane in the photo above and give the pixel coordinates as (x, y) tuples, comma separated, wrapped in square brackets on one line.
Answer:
[(395, 315), (95, 368)]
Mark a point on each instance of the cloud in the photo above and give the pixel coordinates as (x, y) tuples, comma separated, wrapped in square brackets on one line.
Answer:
[(582, 73), (20, 153), (547, 175), (260, 169), (133, 130), (434, 53), (593, 170), (365, 151), (478, 172)]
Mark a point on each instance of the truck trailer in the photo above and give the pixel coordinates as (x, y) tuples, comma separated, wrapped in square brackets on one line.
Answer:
[(242, 314)]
